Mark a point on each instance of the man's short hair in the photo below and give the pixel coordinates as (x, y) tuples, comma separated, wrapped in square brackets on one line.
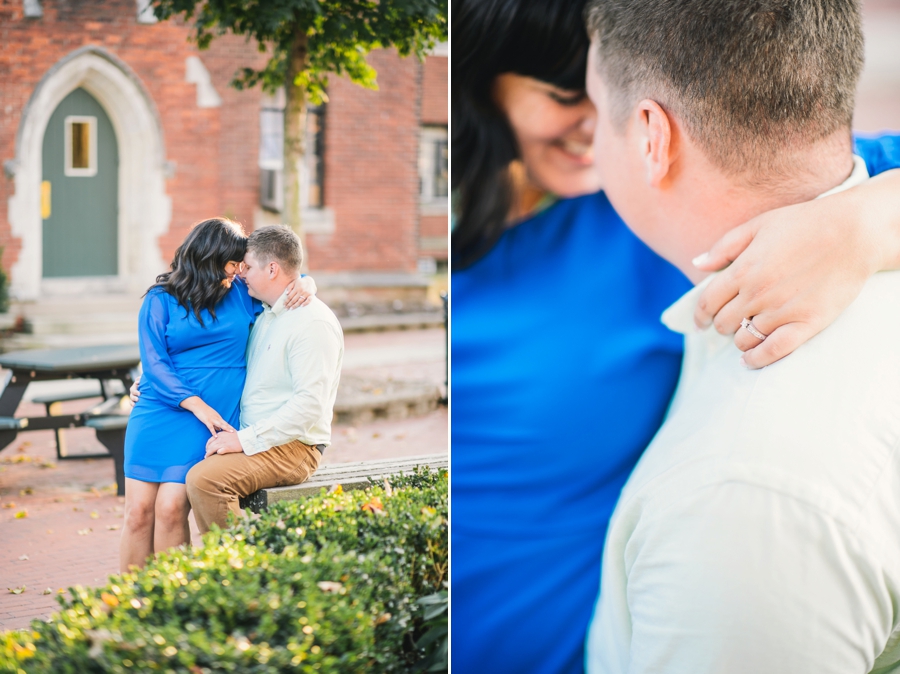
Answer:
[(749, 79), (278, 243)]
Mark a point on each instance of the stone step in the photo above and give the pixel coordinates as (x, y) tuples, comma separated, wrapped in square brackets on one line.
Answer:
[(361, 400), (84, 324)]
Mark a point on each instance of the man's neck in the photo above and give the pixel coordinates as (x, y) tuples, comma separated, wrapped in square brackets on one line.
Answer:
[(277, 291), (703, 203)]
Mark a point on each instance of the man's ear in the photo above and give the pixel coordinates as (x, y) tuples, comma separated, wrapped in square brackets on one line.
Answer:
[(654, 133)]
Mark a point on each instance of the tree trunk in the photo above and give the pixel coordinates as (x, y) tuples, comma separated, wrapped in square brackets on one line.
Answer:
[(294, 137)]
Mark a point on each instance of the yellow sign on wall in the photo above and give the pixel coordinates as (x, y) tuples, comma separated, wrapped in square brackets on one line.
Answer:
[(45, 199)]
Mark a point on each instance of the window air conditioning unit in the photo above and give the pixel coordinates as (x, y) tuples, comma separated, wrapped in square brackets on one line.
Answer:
[(271, 192)]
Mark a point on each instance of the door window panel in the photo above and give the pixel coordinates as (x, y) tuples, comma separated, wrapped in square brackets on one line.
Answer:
[(81, 146)]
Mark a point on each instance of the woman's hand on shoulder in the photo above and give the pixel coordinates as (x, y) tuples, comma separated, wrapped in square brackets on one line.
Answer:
[(300, 292), (793, 270), (207, 415)]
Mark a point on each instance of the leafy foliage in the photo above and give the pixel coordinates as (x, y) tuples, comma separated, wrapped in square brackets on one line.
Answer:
[(307, 587), (340, 33), (435, 640)]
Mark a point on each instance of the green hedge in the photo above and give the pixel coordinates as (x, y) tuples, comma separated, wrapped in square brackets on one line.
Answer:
[(330, 584)]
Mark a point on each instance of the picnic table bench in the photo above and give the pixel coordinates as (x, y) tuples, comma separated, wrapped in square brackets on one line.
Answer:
[(102, 363), (356, 475)]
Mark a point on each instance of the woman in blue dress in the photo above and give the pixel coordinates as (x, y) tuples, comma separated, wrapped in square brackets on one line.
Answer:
[(561, 370), (193, 327)]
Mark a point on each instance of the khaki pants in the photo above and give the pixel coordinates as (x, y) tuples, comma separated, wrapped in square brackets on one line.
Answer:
[(215, 485)]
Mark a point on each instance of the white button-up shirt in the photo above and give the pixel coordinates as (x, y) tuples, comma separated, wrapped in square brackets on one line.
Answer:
[(760, 532), (293, 368)]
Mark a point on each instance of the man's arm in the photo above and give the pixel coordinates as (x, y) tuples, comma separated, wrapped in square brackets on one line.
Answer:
[(314, 363), (743, 579)]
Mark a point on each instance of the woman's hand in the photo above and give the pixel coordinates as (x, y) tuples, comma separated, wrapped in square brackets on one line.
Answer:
[(795, 269), (299, 293), (207, 415)]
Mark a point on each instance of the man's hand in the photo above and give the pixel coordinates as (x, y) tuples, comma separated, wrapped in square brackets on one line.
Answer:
[(133, 392), (223, 443)]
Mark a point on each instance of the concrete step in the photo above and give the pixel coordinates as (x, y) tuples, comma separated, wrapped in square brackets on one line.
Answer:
[(84, 324), (361, 400)]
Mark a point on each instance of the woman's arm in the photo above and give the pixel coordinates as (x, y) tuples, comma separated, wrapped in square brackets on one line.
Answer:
[(160, 372), (795, 269), (299, 293)]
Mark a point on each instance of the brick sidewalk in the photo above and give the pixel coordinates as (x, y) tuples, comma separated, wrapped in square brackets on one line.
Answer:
[(71, 533)]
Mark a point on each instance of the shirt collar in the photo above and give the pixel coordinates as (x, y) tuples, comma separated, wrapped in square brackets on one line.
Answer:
[(277, 308), (680, 316)]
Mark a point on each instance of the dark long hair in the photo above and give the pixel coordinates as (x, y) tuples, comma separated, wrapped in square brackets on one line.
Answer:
[(543, 39), (198, 267)]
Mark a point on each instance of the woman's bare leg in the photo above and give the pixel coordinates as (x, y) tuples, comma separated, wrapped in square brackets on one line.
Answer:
[(172, 508), (137, 533)]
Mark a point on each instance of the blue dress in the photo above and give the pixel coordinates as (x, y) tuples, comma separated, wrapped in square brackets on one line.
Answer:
[(181, 358), (561, 375)]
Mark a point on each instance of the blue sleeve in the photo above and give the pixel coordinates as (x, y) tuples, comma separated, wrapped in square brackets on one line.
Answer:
[(253, 305), (881, 153), (158, 370)]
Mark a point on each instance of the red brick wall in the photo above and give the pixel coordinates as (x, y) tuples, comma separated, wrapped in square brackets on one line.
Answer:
[(371, 171), (434, 90), (371, 137), (214, 149)]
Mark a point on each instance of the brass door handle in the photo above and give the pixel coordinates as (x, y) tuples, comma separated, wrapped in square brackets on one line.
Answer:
[(45, 199)]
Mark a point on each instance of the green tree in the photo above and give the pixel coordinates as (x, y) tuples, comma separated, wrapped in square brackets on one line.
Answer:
[(306, 40)]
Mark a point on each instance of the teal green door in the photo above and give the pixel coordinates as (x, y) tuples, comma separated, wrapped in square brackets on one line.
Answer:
[(79, 192)]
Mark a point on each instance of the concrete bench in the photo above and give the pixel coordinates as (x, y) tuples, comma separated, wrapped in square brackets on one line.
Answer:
[(357, 475)]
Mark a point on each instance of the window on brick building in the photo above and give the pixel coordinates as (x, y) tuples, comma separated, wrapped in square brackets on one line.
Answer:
[(271, 157), (433, 167)]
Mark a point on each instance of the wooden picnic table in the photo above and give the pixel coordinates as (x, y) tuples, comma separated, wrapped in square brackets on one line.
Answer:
[(102, 363)]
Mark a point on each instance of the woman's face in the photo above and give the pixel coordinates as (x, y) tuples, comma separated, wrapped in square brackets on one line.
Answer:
[(232, 268), (554, 129)]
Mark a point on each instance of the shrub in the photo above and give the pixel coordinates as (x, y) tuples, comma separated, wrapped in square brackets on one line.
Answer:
[(307, 587)]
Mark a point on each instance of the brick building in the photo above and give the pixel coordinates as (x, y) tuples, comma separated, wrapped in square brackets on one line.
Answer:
[(116, 134)]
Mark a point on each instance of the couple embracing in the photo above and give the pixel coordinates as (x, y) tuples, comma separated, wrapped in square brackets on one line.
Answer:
[(237, 390)]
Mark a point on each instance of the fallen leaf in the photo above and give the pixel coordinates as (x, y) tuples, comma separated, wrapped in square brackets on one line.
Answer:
[(58, 500), (376, 435), (9, 505), (112, 527), (77, 509), (84, 532), (23, 558), (16, 590), (49, 531), (95, 515), (21, 515), (373, 505), (47, 591), (25, 492), (46, 464)]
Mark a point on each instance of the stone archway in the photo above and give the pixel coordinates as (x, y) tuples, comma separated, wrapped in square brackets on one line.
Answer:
[(144, 208)]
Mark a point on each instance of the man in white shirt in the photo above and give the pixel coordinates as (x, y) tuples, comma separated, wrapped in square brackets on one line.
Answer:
[(760, 532), (293, 367)]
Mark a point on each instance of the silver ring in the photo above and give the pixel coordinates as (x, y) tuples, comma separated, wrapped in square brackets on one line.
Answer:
[(747, 324)]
